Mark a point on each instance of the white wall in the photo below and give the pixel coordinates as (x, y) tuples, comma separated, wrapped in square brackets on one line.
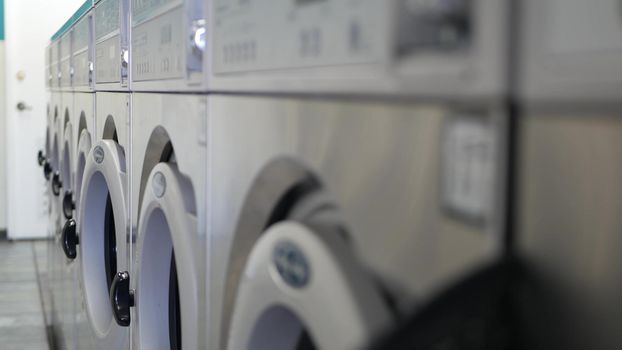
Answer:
[(28, 27)]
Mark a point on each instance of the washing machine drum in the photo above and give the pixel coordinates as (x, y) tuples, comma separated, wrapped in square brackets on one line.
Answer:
[(167, 258), (303, 290), (102, 235)]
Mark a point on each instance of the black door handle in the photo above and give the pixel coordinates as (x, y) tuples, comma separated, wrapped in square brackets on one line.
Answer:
[(40, 158), (47, 169), (69, 239), (121, 298), (56, 183), (68, 205)]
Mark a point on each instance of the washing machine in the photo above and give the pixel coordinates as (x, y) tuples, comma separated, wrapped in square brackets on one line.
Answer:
[(61, 181), (329, 220), (44, 155), (79, 134), (46, 161), (41, 160), (569, 166), (169, 39), (56, 110), (51, 167), (100, 236), (168, 218), (367, 179), (102, 221), (168, 177)]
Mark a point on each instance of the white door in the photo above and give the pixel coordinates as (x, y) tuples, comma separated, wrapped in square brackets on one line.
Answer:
[(29, 24)]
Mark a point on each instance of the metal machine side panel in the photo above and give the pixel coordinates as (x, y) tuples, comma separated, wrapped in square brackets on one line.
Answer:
[(569, 219), (380, 162)]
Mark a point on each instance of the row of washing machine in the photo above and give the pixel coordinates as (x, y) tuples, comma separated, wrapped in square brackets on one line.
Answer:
[(285, 175)]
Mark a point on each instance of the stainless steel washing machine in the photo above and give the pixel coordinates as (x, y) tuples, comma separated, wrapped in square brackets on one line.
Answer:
[(79, 135), (168, 218), (100, 237), (62, 180), (103, 219), (168, 177), (367, 177), (329, 220)]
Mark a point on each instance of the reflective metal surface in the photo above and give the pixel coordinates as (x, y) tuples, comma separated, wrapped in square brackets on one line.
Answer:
[(381, 164), (569, 219)]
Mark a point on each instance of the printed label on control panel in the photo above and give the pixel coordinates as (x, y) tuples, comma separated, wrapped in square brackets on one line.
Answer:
[(81, 34), (54, 64), (81, 69), (145, 9), (48, 66), (65, 45), (65, 69), (158, 47), (106, 18), (108, 58), (468, 167), (298, 34)]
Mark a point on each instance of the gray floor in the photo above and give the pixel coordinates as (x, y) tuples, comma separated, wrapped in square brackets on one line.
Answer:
[(22, 324)]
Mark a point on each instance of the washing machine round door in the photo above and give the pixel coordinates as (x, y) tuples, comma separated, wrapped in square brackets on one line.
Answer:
[(69, 237), (84, 147), (102, 226), (303, 289), (167, 258), (57, 147), (54, 165), (66, 169)]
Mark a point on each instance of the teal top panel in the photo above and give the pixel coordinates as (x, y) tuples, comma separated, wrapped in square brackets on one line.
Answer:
[(1, 19), (86, 6)]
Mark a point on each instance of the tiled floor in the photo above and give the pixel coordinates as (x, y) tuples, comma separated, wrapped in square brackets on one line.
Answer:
[(22, 324)]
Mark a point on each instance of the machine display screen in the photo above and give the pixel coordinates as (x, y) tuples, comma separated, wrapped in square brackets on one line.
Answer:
[(144, 9), (106, 18), (307, 2)]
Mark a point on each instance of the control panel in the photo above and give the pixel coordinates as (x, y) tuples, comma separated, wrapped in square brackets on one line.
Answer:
[(65, 59), (441, 26), (297, 33), (111, 46), (82, 53), (157, 39), (48, 66), (442, 48), (301, 33), (55, 64), (168, 39)]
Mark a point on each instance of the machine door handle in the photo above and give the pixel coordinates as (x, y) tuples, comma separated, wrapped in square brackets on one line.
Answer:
[(121, 298), (22, 106), (69, 239), (47, 169), (56, 184), (68, 205), (40, 158)]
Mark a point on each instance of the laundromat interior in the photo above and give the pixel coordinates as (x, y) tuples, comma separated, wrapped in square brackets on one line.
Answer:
[(310, 174)]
